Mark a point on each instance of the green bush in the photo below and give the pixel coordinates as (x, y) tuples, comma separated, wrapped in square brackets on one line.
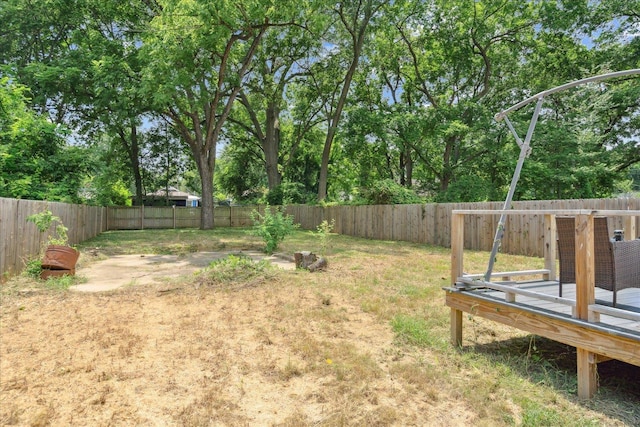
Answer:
[(44, 220), (388, 192), (272, 227), (289, 193), (324, 233), (33, 268)]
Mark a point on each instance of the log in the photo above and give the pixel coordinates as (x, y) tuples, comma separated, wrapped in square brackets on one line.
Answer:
[(320, 264)]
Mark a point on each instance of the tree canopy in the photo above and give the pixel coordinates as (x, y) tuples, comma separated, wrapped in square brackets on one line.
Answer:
[(297, 102)]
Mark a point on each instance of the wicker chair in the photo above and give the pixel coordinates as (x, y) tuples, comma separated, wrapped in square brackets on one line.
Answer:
[(617, 264)]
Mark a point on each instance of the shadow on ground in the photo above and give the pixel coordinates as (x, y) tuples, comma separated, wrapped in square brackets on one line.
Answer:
[(541, 360)]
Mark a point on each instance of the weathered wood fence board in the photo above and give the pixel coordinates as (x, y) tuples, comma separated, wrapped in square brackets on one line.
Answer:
[(20, 240), (420, 223), (431, 223), (140, 217)]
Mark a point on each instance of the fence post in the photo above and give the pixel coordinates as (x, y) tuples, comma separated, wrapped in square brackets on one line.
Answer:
[(142, 217), (174, 217), (630, 231)]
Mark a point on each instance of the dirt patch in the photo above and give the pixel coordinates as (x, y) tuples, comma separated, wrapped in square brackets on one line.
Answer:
[(128, 270)]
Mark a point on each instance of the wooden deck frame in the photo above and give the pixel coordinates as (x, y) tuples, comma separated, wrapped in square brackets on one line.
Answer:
[(593, 341)]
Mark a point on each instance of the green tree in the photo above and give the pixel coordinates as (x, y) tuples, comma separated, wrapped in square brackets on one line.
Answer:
[(81, 60), (35, 163), (263, 94), (346, 40), (587, 137), (199, 54), (239, 173), (109, 178)]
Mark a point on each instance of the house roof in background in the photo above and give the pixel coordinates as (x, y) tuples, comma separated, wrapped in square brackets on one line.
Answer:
[(173, 194)]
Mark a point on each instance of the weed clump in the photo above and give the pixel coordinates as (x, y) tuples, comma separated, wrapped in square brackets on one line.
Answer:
[(272, 227), (236, 271)]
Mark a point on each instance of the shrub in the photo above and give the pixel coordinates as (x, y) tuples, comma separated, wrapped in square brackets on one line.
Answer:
[(44, 220), (388, 192), (289, 193), (324, 233), (272, 227), (33, 268)]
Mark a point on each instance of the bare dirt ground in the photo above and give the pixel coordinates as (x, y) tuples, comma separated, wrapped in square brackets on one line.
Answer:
[(128, 270), (148, 347)]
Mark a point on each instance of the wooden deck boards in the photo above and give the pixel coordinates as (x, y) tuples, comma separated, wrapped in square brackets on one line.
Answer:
[(628, 299)]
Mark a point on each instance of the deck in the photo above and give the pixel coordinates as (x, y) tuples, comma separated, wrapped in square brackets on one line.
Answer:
[(583, 317), (611, 336)]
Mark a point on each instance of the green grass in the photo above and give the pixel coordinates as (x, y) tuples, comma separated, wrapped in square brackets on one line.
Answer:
[(419, 332), (62, 283)]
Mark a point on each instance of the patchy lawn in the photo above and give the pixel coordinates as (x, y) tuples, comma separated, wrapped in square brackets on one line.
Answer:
[(363, 343)]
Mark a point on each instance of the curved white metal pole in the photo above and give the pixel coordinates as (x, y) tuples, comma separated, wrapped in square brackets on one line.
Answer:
[(524, 152), (525, 149), (544, 93)]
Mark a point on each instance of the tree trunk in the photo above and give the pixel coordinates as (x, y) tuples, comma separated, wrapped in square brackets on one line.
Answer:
[(206, 175), (357, 34), (324, 165), (271, 145), (133, 150), (408, 168), (446, 174)]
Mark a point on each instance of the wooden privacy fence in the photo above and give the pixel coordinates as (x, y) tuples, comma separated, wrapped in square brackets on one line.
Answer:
[(20, 240), (145, 217), (431, 223), (423, 223)]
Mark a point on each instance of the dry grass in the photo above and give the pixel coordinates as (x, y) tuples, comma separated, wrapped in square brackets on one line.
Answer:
[(364, 343)]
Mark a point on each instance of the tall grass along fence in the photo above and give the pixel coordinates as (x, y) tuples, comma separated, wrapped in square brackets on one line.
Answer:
[(419, 223), (431, 223), (20, 240)]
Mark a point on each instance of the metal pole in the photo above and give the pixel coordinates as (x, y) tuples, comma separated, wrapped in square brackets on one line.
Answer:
[(524, 152), (513, 131), (501, 115)]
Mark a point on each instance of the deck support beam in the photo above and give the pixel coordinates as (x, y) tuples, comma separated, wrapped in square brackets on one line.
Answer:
[(457, 262), (456, 327), (585, 296), (587, 373), (578, 333)]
